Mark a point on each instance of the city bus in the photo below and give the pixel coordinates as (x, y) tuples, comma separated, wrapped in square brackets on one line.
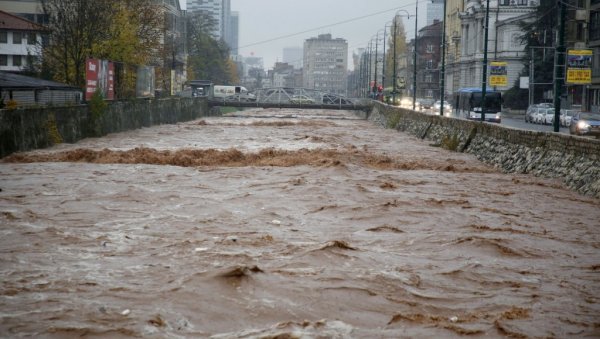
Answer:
[(467, 104)]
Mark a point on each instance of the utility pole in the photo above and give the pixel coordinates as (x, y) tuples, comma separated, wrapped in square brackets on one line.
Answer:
[(443, 71), (485, 60), (559, 77), (395, 79)]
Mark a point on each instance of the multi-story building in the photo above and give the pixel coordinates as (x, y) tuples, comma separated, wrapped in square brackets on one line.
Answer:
[(20, 43), (428, 60), (233, 39), (226, 22), (453, 45), (593, 91), (326, 64), (171, 73), (504, 38)]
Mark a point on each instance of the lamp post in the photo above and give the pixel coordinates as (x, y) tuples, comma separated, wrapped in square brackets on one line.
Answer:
[(443, 71), (415, 58), (387, 24), (376, 62), (485, 60)]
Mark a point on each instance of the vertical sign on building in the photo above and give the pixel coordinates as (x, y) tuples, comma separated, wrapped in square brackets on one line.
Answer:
[(99, 75), (579, 66), (92, 66), (498, 74)]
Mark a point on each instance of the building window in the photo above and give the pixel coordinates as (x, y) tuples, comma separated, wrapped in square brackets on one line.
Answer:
[(428, 78), (595, 25), (16, 60), (3, 60), (429, 48), (3, 37), (31, 39), (17, 38), (429, 64)]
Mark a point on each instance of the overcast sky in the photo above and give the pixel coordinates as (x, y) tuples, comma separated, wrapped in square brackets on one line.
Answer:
[(263, 20)]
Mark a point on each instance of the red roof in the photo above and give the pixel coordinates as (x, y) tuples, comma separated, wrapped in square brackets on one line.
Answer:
[(13, 22)]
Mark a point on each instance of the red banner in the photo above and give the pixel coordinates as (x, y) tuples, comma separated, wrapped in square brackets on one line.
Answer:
[(99, 74), (92, 66)]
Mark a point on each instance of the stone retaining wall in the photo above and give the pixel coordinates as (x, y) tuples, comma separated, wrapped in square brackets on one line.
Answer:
[(575, 160), (27, 129)]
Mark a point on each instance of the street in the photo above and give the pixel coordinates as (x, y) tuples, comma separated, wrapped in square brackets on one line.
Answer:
[(289, 223)]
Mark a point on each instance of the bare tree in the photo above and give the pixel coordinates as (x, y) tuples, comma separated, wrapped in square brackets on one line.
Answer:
[(75, 26)]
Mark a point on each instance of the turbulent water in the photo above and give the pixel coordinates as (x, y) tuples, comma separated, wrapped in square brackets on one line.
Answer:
[(289, 224)]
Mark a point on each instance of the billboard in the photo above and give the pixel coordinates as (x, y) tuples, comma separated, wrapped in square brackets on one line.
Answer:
[(498, 74), (579, 66), (99, 75)]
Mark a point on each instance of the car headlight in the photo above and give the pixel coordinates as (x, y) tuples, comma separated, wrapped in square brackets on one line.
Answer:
[(583, 125)]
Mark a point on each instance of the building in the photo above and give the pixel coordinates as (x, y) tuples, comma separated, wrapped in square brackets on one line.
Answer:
[(593, 91), (326, 64), (453, 45), (226, 23), (171, 70), (428, 60), (20, 43), (293, 56), (504, 38), (233, 39)]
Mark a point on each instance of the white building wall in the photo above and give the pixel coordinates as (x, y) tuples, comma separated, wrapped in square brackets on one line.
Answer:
[(12, 52)]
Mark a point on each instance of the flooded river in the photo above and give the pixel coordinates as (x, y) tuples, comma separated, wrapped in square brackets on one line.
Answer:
[(289, 224)]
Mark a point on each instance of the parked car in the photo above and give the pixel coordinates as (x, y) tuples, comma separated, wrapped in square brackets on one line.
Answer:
[(532, 111), (547, 117), (585, 123), (565, 117), (301, 99)]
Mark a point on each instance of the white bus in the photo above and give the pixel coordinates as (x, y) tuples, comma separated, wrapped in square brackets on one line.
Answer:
[(467, 104)]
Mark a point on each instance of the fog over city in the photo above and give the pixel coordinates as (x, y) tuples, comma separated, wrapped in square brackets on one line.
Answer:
[(263, 22)]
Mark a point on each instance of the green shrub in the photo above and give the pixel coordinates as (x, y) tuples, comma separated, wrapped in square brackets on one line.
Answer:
[(97, 107), (450, 142)]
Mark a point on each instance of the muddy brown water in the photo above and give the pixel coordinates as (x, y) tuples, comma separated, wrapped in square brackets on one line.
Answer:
[(289, 224)]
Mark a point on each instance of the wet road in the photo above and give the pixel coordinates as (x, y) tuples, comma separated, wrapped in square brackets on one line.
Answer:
[(289, 224)]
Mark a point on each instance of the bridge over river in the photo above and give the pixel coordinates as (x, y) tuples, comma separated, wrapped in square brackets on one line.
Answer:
[(289, 223), (287, 97)]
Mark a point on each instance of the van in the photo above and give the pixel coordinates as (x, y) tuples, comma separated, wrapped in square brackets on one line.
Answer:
[(220, 91)]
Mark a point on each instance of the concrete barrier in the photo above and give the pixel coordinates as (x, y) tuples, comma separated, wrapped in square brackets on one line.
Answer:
[(573, 159), (33, 128)]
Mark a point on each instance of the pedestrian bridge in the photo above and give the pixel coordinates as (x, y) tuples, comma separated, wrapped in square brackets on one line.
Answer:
[(287, 97)]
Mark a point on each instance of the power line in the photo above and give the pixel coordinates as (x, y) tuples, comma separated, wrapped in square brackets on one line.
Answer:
[(321, 27)]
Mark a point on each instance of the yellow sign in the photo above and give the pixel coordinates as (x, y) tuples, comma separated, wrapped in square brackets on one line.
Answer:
[(498, 74), (579, 66)]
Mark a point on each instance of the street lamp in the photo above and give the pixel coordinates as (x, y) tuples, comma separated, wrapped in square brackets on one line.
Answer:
[(396, 16), (387, 24), (443, 71), (376, 62), (415, 58)]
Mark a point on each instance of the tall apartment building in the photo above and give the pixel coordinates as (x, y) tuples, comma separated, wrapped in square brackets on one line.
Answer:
[(227, 23), (326, 64)]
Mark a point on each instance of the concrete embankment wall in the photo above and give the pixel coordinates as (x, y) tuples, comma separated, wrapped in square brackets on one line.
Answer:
[(33, 128), (575, 160)]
